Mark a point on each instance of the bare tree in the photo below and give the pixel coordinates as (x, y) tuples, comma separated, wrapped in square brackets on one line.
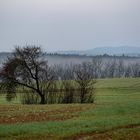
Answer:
[(27, 68), (97, 67), (85, 80), (120, 68)]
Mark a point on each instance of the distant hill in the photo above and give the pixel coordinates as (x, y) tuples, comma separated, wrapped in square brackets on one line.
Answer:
[(74, 57), (118, 51)]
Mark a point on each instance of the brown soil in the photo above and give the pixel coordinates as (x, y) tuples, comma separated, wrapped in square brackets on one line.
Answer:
[(55, 115)]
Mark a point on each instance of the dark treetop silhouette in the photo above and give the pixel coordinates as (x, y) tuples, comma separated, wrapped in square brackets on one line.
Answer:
[(27, 68)]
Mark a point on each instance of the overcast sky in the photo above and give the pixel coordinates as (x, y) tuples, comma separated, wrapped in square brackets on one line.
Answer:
[(69, 24)]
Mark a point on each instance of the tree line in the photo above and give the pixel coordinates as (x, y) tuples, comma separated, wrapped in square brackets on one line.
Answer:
[(100, 68)]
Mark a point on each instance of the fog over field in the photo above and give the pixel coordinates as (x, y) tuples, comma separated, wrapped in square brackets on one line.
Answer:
[(70, 69), (61, 59)]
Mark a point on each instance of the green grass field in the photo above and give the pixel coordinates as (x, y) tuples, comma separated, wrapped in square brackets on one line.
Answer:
[(115, 115)]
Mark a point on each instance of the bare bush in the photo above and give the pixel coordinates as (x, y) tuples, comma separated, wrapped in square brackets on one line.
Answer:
[(84, 79)]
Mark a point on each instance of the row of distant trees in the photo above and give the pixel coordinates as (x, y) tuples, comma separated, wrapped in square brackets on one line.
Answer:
[(99, 68)]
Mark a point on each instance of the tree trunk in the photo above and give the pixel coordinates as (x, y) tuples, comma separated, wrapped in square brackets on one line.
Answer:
[(82, 95), (42, 99)]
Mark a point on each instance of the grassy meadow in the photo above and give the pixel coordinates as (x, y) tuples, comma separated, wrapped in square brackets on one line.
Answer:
[(115, 115)]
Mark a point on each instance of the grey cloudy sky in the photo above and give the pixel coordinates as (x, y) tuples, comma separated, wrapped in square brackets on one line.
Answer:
[(69, 24)]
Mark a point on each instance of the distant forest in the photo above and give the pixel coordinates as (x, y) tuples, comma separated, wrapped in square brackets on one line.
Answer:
[(101, 66)]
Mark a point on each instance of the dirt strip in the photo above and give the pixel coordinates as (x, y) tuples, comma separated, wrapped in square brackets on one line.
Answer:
[(55, 115)]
